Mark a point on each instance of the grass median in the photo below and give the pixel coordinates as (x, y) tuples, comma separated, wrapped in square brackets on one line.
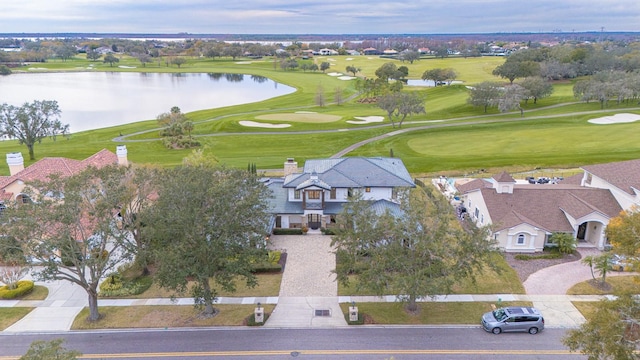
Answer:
[(432, 313)]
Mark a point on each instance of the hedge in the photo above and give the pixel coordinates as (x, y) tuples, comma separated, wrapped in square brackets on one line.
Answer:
[(287, 231), (24, 287), (267, 267)]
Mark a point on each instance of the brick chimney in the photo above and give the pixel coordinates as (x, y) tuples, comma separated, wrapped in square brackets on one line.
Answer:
[(290, 167), (15, 162), (121, 151)]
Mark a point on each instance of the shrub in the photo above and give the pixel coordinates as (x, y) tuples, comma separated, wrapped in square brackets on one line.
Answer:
[(287, 231), (566, 242), (554, 255), (267, 267), (115, 286), (4, 70), (274, 256), (327, 231), (24, 287)]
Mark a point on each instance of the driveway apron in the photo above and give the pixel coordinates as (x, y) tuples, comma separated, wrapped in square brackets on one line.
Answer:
[(308, 293), (548, 286)]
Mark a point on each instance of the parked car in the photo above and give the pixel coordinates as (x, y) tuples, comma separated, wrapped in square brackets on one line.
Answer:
[(513, 318), (623, 263)]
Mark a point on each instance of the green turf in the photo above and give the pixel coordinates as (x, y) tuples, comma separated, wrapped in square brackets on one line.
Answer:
[(565, 139)]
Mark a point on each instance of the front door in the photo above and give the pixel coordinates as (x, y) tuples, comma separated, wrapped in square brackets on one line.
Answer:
[(582, 229), (314, 221)]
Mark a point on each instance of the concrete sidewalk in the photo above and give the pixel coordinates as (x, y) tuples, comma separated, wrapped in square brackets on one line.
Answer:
[(308, 285), (58, 315)]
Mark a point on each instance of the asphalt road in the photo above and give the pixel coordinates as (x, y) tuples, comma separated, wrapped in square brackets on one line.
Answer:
[(260, 343)]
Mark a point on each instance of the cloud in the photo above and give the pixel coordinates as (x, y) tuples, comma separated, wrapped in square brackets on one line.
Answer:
[(311, 16)]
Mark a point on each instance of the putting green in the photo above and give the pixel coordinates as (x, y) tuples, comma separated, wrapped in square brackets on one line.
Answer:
[(301, 117)]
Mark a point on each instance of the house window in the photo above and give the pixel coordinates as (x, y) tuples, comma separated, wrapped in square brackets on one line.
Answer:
[(476, 213), (482, 219), (520, 240), (588, 181), (394, 193), (333, 193), (314, 194), (349, 192), (367, 189), (296, 194)]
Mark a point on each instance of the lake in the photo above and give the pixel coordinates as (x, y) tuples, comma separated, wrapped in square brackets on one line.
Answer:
[(92, 100)]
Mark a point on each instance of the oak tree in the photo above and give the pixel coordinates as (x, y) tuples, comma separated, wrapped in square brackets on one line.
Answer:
[(111, 59), (416, 250), (485, 94), (207, 223), (32, 122), (71, 230), (611, 332)]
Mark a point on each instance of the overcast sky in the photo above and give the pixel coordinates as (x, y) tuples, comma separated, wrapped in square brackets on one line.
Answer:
[(318, 17)]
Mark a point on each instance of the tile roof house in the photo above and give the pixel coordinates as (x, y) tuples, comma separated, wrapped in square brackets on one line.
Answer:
[(12, 186), (523, 216), (314, 195)]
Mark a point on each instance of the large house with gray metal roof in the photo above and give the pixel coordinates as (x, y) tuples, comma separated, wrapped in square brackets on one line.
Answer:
[(313, 196), (523, 216)]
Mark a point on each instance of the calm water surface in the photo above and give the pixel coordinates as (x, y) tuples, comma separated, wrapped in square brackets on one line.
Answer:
[(91, 100)]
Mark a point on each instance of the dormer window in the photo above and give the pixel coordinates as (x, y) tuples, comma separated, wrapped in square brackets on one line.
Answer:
[(367, 189)]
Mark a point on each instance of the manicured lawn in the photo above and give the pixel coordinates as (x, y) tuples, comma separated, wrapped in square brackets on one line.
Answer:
[(39, 292), (508, 145), (164, 316), (619, 284), (268, 285), (505, 281), (429, 313), (9, 315), (586, 308)]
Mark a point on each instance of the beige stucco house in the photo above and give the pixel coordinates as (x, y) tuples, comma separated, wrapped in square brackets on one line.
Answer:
[(523, 216)]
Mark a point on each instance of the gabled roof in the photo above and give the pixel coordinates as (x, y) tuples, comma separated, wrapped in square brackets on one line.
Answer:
[(504, 177), (473, 185), (313, 181), (544, 206), (624, 175), (354, 172)]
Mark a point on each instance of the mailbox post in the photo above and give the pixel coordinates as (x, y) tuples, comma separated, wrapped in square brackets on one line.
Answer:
[(353, 312), (259, 314)]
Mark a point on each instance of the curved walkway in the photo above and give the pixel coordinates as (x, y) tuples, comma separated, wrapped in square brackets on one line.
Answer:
[(548, 288)]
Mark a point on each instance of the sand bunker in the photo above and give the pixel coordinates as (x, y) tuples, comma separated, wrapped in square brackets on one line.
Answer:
[(306, 112), (366, 120), (335, 74), (616, 119), (308, 117), (263, 125), (243, 62), (346, 77), (126, 67), (349, 59), (37, 68)]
